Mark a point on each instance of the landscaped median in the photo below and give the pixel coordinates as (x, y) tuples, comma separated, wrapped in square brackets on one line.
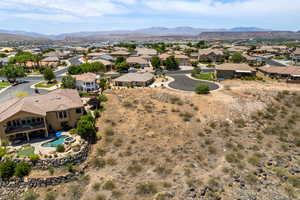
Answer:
[(4, 85), (46, 85)]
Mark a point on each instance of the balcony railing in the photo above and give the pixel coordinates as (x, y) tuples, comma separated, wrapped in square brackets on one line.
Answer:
[(24, 128)]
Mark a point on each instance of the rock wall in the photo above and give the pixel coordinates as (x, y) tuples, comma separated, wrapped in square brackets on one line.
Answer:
[(43, 164)]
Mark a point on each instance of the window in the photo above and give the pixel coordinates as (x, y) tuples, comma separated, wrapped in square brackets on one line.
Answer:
[(62, 114), (78, 110)]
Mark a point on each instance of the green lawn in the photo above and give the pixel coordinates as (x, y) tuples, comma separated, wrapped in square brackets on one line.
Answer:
[(207, 76), (26, 151), (4, 85), (45, 85)]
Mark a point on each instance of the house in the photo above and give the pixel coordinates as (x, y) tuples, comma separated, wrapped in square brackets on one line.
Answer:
[(134, 79), (290, 73), (50, 62), (145, 51), (86, 82), (36, 116), (211, 55), (120, 53), (296, 56), (134, 60), (183, 60), (231, 70)]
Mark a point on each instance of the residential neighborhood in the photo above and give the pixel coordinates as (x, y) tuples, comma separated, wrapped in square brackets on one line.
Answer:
[(155, 113)]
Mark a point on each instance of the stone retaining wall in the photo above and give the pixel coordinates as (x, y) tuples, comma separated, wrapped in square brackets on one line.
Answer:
[(16, 186), (43, 164)]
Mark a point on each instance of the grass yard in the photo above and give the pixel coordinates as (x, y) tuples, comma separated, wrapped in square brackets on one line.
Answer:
[(45, 85), (207, 76), (26, 151), (4, 85)]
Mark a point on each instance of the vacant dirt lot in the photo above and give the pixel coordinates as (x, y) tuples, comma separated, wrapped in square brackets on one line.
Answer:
[(241, 142)]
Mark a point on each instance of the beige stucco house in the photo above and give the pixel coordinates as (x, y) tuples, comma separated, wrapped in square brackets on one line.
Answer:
[(38, 115)]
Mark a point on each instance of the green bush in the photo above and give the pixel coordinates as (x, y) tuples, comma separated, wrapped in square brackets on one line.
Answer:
[(34, 157), (202, 89), (7, 169), (22, 169), (2, 152), (60, 148), (31, 195), (146, 189)]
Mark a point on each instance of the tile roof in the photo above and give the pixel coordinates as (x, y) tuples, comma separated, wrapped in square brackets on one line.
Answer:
[(135, 77), (86, 77), (234, 66), (62, 99)]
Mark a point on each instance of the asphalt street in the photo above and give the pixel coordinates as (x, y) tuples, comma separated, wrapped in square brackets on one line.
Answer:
[(183, 82)]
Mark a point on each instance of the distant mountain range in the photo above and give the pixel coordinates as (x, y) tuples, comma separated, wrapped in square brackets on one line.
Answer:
[(153, 31)]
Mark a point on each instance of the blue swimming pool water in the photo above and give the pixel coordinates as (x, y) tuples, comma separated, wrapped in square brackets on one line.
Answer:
[(55, 142)]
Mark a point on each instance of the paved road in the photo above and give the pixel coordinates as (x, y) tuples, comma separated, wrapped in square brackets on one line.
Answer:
[(183, 82), (25, 87), (272, 62)]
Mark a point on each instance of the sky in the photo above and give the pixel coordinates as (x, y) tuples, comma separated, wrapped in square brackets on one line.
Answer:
[(63, 16)]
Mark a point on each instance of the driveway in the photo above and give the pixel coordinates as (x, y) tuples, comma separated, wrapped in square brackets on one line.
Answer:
[(183, 82)]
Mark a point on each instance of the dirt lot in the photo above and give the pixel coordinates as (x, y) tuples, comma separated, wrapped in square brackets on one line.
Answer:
[(241, 142)]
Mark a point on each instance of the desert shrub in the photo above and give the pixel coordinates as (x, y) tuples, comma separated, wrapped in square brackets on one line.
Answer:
[(22, 169), (162, 170), (202, 89), (109, 131), (251, 178), (111, 161), (51, 170), (60, 148), (2, 152), (34, 157), (294, 181), (99, 162), (7, 169), (70, 167), (101, 151), (75, 191), (30, 195), (109, 185), (254, 160), (212, 150), (146, 188), (118, 142), (186, 116), (134, 167), (96, 186), (51, 195), (100, 197)]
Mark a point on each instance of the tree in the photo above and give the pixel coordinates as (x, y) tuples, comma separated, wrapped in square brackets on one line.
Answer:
[(122, 67), (196, 71), (120, 59), (103, 84), (202, 89), (7, 169), (22, 169), (86, 128), (12, 72), (237, 58), (171, 63), (37, 59), (156, 63), (68, 82), (48, 74), (194, 63)]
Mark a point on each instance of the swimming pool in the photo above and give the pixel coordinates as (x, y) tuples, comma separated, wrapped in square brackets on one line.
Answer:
[(57, 141)]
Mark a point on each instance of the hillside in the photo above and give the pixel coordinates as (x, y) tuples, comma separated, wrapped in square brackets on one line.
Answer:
[(248, 35), (13, 37), (238, 143)]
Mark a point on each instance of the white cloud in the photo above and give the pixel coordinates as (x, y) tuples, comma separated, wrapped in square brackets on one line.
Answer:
[(229, 9)]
